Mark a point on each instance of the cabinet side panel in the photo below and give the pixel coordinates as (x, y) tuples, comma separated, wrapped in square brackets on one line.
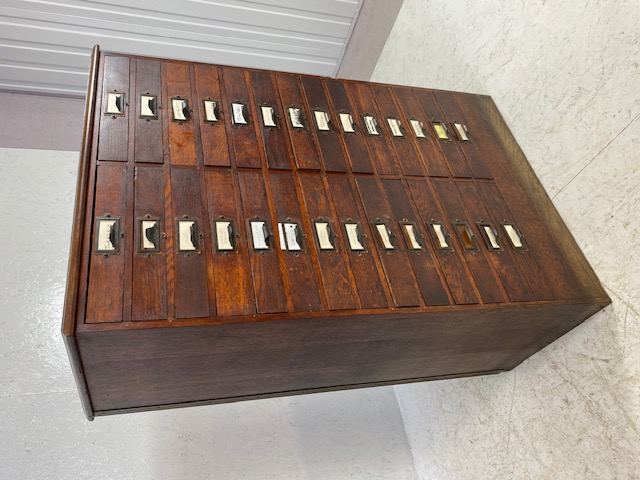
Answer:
[(76, 274)]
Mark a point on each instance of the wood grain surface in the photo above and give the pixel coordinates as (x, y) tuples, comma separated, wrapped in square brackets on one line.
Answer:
[(148, 330), (148, 144), (113, 144), (355, 144), (333, 158), (213, 135), (304, 150), (243, 137)]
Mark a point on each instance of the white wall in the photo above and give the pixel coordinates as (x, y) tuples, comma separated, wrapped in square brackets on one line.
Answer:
[(46, 45), (43, 433), (566, 77)]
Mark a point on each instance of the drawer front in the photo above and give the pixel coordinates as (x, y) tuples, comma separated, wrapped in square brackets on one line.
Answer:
[(243, 193)]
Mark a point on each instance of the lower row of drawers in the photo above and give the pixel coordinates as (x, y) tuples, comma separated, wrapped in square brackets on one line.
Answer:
[(179, 242)]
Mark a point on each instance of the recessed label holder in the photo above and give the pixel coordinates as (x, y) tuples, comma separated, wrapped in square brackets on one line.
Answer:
[(324, 235), (149, 106), (515, 236), (188, 235), (149, 235), (225, 236), (180, 111), (384, 235), (211, 110), (260, 236), (465, 235), (441, 239), (107, 235)]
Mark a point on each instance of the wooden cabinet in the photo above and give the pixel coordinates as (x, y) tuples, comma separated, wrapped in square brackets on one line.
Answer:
[(241, 234)]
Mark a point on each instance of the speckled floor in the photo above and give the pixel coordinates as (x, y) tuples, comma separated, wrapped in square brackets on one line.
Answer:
[(43, 432), (566, 77)]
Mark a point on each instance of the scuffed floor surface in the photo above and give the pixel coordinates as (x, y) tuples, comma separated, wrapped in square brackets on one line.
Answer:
[(43, 433), (566, 77)]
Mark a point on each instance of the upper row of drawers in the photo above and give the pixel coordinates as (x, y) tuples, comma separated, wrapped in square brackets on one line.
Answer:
[(396, 130)]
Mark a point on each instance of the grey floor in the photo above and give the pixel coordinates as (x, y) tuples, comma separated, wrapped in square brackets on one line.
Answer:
[(565, 76)]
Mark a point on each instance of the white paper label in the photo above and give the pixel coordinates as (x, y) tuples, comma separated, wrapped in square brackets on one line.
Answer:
[(440, 235), (259, 235), (324, 236), (346, 120), (394, 125), (322, 120), (441, 131), (238, 114), (179, 107), (114, 103), (185, 235), (353, 236), (223, 236), (267, 117), (418, 128), (147, 232), (513, 235), (461, 131), (414, 244), (296, 117), (384, 236), (491, 235), (105, 229), (147, 106), (210, 110), (283, 241), (371, 124), (291, 234)]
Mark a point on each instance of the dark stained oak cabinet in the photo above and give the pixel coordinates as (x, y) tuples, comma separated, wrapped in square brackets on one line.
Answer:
[(241, 234)]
